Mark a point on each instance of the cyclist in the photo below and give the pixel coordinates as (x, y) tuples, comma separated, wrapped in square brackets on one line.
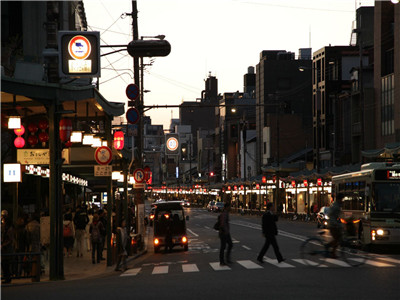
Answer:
[(334, 224)]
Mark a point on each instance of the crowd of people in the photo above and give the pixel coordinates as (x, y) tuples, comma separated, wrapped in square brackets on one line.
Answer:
[(21, 237), (84, 233)]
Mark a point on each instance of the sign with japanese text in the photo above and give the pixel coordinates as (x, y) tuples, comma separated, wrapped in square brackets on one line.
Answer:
[(12, 173), (103, 170), (39, 156)]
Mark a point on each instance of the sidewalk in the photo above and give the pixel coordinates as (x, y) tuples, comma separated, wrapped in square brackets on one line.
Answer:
[(80, 267)]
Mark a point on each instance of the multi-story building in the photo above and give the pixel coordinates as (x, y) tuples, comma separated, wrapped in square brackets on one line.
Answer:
[(387, 73), (283, 112)]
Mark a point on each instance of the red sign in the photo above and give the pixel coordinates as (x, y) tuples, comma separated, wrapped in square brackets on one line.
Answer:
[(103, 155)]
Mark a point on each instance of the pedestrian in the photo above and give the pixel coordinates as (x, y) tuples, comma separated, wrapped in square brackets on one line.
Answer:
[(103, 220), (225, 235), (122, 240), (33, 237), (88, 237), (7, 245), (81, 219), (270, 231), (95, 230), (21, 244), (68, 234)]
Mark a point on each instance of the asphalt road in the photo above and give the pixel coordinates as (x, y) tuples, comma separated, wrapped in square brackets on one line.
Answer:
[(196, 274)]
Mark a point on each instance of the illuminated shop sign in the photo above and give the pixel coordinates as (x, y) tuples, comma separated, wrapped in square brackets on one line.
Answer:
[(387, 174), (79, 53)]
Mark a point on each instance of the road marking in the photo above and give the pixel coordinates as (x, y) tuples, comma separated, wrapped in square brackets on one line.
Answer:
[(372, 263), (131, 272), (217, 267), (234, 241), (160, 270), (337, 262), (190, 268), (206, 227), (196, 235), (245, 247), (389, 259), (309, 263), (275, 263), (248, 264)]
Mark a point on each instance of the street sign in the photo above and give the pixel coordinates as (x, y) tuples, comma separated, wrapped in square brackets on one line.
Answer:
[(79, 53), (172, 144), (132, 115), (103, 155), (139, 176), (132, 91), (103, 170)]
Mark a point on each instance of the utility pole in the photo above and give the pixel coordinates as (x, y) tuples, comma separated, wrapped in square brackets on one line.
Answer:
[(138, 193)]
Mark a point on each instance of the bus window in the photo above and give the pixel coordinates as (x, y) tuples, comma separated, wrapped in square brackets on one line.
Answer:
[(387, 197)]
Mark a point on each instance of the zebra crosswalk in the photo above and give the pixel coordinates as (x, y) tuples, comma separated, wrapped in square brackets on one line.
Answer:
[(186, 267)]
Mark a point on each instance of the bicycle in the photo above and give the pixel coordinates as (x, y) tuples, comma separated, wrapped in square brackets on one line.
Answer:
[(314, 251)]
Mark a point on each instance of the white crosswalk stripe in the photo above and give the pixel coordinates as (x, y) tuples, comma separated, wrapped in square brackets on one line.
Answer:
[(160, 270), (131, 272), (309, 263), (185, 267), (217, 267), (190, 268), (275, 263), (248, 264), (373, 262)]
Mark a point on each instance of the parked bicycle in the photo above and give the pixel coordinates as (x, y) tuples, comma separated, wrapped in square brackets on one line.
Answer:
[(315, 251)]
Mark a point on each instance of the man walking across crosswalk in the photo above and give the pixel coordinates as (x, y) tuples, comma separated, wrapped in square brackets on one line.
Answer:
[(270, 231)]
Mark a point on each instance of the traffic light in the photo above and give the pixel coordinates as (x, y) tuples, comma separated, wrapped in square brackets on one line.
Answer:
[(211, 174), (149, 48)]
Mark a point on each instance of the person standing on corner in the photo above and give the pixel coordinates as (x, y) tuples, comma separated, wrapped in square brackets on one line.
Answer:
[(225, 236), (81, 219), (270, 231), (122, 241)]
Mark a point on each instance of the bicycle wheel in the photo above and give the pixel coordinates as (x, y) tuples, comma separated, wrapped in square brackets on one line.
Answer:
[(352, 252), (313, 252)]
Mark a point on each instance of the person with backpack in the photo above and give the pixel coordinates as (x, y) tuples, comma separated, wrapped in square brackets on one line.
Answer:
[(81, 219), (96, 229), (68, 234)]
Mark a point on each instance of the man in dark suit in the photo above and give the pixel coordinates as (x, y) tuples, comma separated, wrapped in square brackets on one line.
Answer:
[(270, 230)]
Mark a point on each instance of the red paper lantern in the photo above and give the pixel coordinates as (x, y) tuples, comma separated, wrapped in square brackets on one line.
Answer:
[(4, 120), (319, 181), (65, 129), (32, 128), (20, 131), (118, 140), (19, 142), (33, 140), (43, 124), (43, 137)]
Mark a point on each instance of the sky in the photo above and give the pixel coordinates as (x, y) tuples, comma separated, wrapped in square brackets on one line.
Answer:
[(220, 38)]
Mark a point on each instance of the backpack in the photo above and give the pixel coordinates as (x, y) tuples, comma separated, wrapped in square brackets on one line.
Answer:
[(67, 230), (217, 225), (96, 237)]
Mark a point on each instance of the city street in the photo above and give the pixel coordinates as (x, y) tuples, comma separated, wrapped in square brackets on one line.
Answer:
[(196, 274)]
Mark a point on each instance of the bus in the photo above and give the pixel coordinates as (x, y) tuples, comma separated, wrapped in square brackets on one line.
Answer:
[(372, 201)]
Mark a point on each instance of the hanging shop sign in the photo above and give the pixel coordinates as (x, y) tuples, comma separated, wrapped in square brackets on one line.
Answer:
[(40, 156), (79, 53)]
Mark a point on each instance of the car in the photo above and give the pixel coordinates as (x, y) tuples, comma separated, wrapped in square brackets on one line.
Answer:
[(169, 226), (186, 203), (218, 207), (210, 205), (151, 216), (322, 217)]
